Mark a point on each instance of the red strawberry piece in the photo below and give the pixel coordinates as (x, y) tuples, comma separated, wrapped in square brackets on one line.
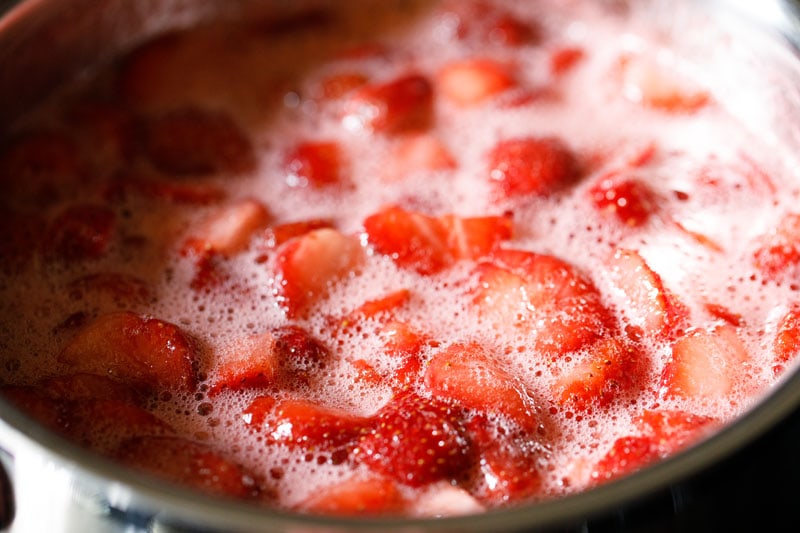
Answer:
[(648, 304), (655, 81), (299, 355), (365, 373), (564, 59), (142, 352), (79, 233), (417, 441), (530, 166), (189, 463), (405, 345), (39, 167), (379, 308), (786, 343), (314, 164), (705, 364), (307, 425), (543, 295), (626, 455), (228, 230), (467, 375), (469, 82), (339, 85), (306, 266), (124, 289), (628, 199), (197, 142), (277, 235), (724, 313), (249, 362), (400, 105), (778, 252), (35, 404), (673, 430), (258, 412), (476, 237), (413, 240), (72, 387), (418, 153), (356, 496), (612, 368)]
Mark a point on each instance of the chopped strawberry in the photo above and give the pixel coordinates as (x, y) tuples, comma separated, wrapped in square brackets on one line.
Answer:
[(626, 455), (277, 235), (189, 463), (142, 352), (338, 85), (299, 355), (314, 164), (468, 376), (673, 430), (656, 82), (305, 267), (611, 368), (419, 153), (250, 362), (564, 59), (383, 307), (124, 289), (34, 403), (538, 166), (428, 244), (79, 233), (630, 200), (228, 230), (724, 313), (416, 441), (400, 105), (72, 387), (648, 304), (778, 252), (542, 295), (365, 373), (197, 142), (469, 82), (356, 496), (405, 345), (705, 364), (307, 425), (786, 344)]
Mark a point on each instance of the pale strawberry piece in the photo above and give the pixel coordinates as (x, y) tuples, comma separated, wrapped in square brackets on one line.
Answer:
[(705, 364), (356, 496), (786, 343), (314, 164), (656, 82), (377, 309), (400, 105), (419, 153), (469, 82), (564, 59), (197, 142), (468, 376), (443, 499), (229, 229), (275, 236), (648, 304), (249, 362), (628, 199), (416, 441), (125, 290), (611, 368), (142, 352), (189, 463), (626, 455), (543, 295), (80, 232), (530, 166), (307, 265), (476, 237), (778, 252)]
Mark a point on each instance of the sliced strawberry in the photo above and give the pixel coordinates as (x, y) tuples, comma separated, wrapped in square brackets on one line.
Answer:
[(476, 237), (405, 345), (564, 59), (299, 355), (400, 105), (654, 81), (626, 455), (417, 441), (786, 343), (705, 364), (467, 375), (80, 233), (673, 430), (469, 82), (612, 368), (314, 164), (277, 235), (778, 252), (339, 85), (383, 307), (143, 352), (648, 304), (248, 363), (419, 153), (197, 142), (629, 200), (542, 295), (365, 373), (307, 265), (537, 166), (228, 230), (356, 496), (124, 289), (724, 313), (190, 464)]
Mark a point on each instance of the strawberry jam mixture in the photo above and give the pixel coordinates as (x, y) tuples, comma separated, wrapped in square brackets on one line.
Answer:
[(418, 259)]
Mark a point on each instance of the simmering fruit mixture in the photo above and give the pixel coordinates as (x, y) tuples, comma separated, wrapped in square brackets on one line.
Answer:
[(403, 257)]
